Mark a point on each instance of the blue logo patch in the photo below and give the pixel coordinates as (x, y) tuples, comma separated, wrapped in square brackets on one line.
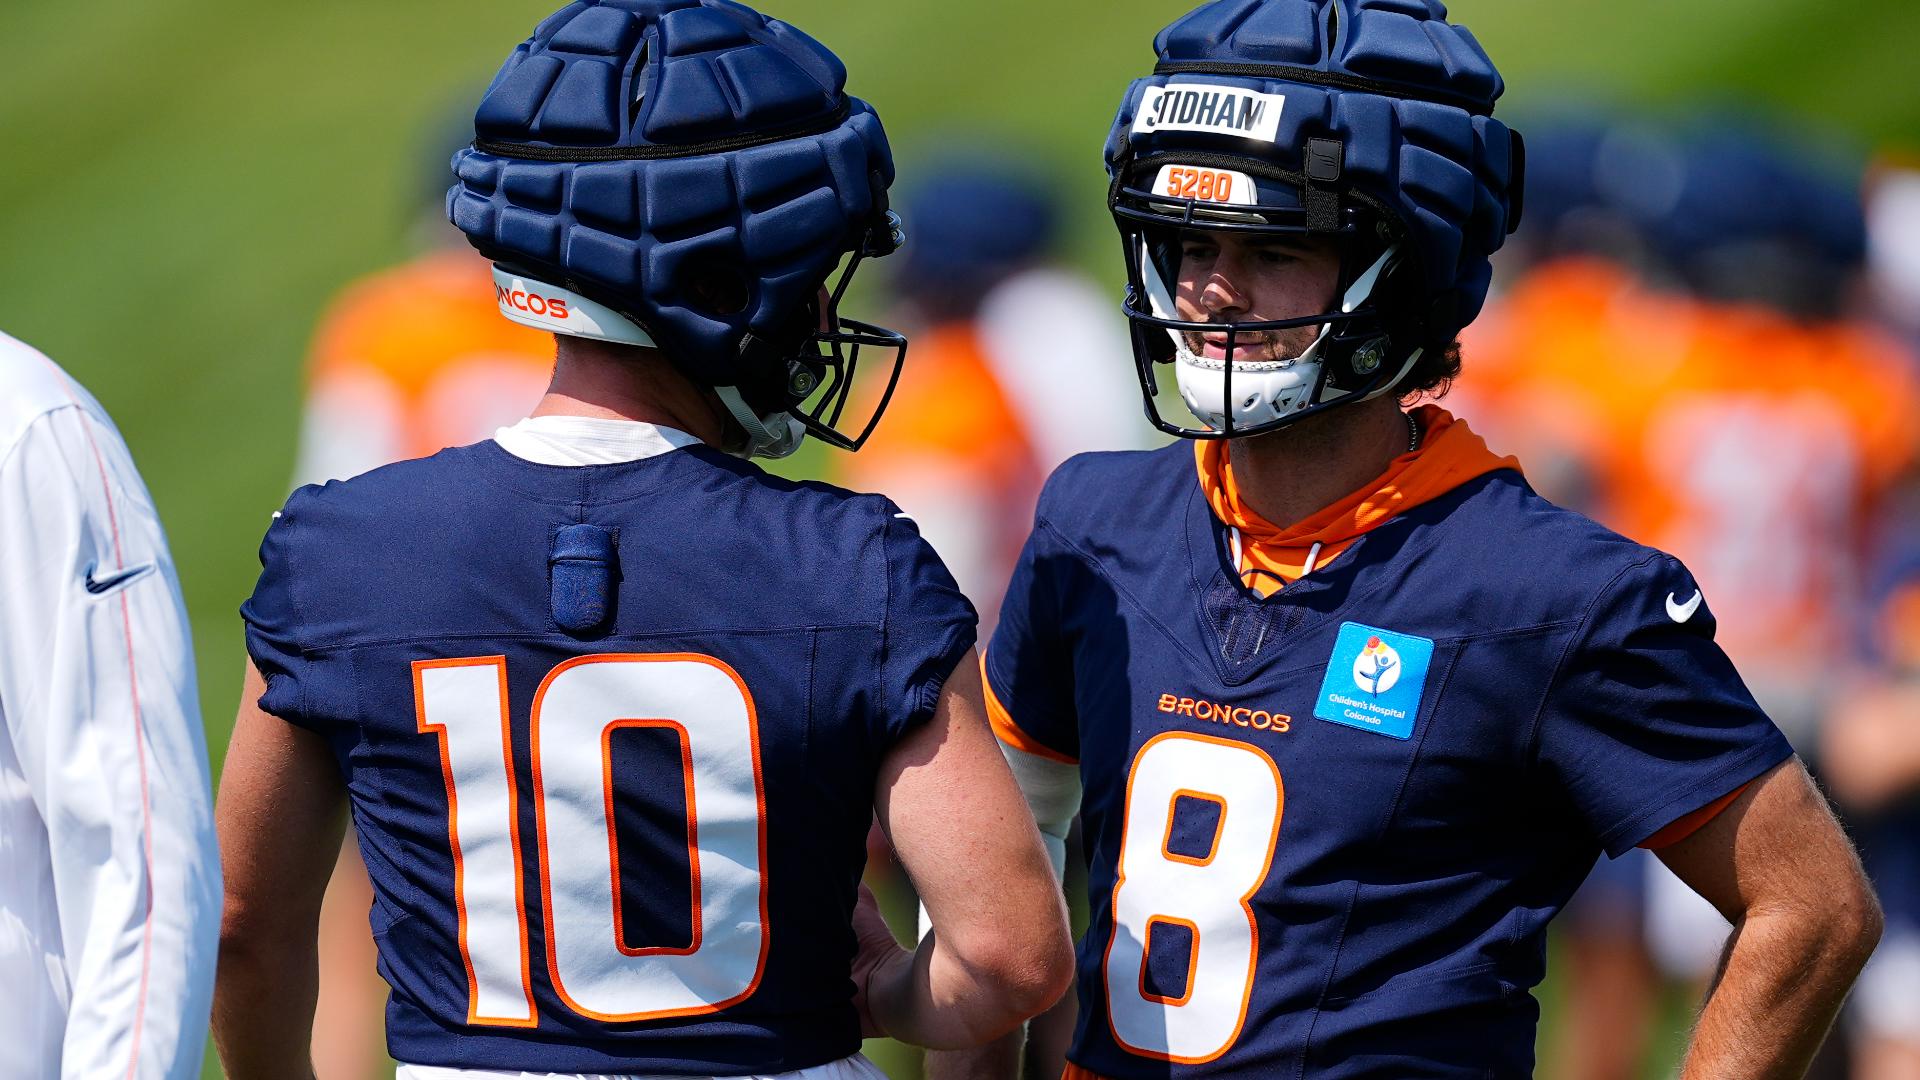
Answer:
[(1374, 680)]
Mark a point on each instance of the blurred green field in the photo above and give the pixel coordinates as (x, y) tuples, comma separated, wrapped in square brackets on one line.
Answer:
[(183, 185)]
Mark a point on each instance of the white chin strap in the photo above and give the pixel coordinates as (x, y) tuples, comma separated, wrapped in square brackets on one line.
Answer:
[(1263, 390), (557, 310)]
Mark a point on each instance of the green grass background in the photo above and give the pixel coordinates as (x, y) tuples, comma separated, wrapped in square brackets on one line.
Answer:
[(184, 184)]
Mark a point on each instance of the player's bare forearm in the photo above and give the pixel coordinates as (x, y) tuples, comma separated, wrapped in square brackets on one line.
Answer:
[(1779, 987), (263, 1011), (1036, 1048), (1805, 920), (279, 821), (994, 1061), (931, 998), (935, 996)]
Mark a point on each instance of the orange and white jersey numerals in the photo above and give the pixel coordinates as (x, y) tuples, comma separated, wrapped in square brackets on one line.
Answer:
[(1209, 897), (579, 705), (464, 702)]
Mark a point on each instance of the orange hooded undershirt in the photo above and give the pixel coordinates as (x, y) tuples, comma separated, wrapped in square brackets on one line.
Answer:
[(1450, 454)]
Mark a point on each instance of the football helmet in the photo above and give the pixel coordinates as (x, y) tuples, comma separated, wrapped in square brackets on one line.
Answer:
[(1366, 121), (688, 174)]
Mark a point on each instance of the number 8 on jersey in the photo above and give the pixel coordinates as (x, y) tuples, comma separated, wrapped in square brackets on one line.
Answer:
[(1204, 895)]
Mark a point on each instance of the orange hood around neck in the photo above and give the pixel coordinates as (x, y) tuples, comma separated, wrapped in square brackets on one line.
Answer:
[(1450, 454)]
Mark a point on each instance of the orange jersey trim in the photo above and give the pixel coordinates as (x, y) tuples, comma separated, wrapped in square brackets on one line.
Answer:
[(685, 739), (1193, 961), (1009, 732), (1686, 826), (1450, 455)]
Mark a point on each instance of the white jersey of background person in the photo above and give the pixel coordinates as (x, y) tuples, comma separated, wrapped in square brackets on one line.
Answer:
[(109, 879)]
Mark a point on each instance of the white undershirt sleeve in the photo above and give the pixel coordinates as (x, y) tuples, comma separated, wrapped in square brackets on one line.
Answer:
[(1052, 789), (97, 687)]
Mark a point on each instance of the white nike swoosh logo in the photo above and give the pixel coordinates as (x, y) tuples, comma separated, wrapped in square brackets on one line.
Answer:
[(1679, 612)]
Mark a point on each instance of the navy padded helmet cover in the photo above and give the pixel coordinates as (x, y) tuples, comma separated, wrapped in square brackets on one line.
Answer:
[(1435, 158), (624, 79)]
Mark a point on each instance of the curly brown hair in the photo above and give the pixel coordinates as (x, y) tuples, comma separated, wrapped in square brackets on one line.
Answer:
[(1433, 374)]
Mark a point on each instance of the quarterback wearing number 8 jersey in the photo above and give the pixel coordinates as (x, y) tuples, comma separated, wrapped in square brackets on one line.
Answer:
[(613, 709), (1349, 711)]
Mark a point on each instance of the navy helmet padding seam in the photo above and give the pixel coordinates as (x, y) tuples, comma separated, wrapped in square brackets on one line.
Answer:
[(542, 152)]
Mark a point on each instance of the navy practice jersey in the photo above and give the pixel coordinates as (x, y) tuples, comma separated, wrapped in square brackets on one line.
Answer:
[(609, 735), (1326, 830)]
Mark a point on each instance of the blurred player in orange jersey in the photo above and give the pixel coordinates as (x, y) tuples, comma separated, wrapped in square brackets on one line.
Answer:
[(404, 362), (1001, 339), (1688, 379), (414, 359), (1757, 445)]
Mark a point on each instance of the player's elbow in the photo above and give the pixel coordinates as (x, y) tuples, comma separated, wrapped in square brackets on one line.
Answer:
[(1852, 923), (243, 939), (255, 934), (1828, 932), (1032, 980), (1027, 967)]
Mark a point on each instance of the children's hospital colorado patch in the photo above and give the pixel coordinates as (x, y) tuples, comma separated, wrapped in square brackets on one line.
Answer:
[(1374, 680)]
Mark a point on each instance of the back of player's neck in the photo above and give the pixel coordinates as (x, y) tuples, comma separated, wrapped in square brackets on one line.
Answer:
[(617, 382), (1291, 474)]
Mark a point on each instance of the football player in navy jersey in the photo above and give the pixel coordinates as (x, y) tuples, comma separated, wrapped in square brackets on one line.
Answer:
[(1348, 710), (612, 709)]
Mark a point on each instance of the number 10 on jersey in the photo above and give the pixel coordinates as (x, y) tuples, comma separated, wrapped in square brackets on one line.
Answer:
[(579, 705)]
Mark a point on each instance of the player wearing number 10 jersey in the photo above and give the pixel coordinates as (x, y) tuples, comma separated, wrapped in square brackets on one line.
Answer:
[(1349, 711), (612, 708)]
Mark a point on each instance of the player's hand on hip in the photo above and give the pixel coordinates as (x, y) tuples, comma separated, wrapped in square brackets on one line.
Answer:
[(877, 948)]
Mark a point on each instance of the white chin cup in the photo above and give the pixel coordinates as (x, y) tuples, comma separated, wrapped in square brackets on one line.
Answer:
[(1263, 391), (774, 436)]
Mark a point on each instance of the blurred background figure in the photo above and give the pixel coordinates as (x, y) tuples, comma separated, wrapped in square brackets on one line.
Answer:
[(1870, 754), (1684, 350), (1016, 364), (1892, 198), (405, 362)]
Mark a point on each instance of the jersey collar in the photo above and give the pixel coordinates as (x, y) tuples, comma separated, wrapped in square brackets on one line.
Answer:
[(588, 440)]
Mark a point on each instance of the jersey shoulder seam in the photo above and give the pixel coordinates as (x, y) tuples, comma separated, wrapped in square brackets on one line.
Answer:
[(1119, 589), (1581, 634), (52, 408)]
